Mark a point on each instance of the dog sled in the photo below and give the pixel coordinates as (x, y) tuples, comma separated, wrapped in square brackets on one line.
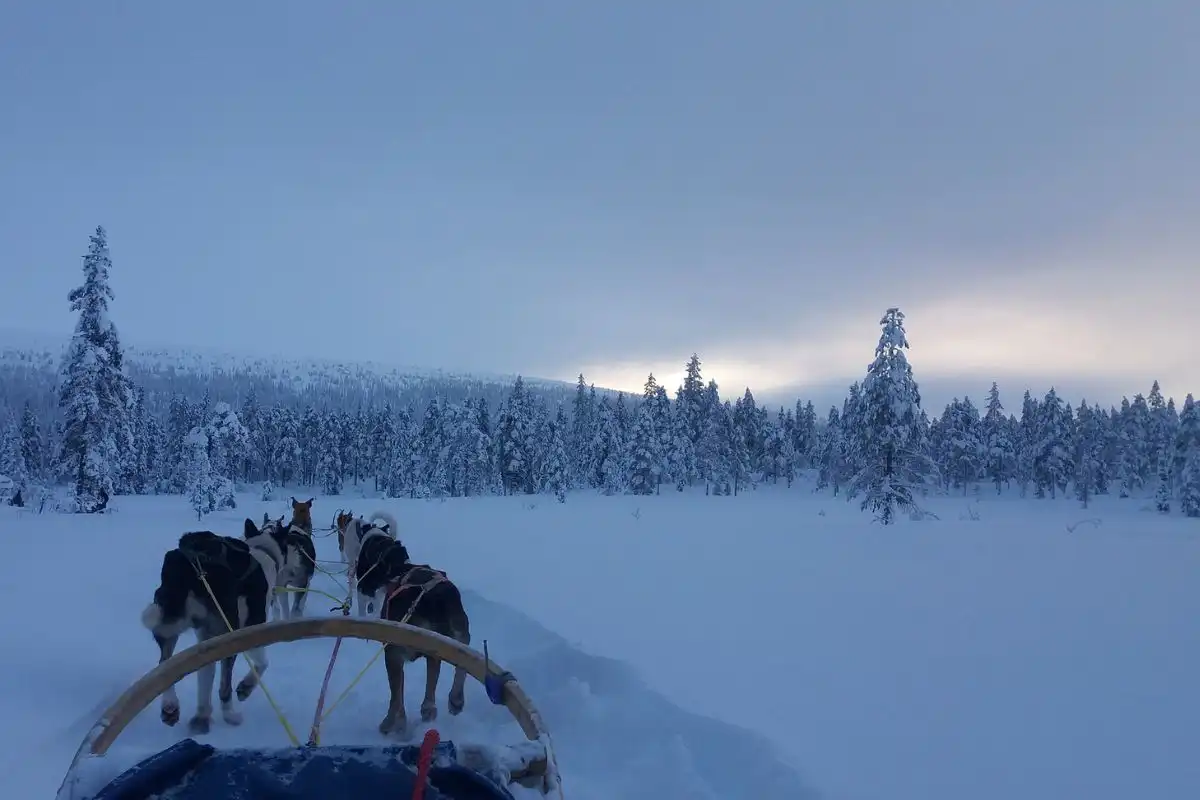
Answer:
[(434, 770)]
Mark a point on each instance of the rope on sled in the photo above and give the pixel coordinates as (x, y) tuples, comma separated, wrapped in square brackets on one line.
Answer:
[(314, 736), (257, 675)]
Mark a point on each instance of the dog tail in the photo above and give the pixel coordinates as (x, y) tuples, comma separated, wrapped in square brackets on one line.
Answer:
[(393, 527), (170, 598)]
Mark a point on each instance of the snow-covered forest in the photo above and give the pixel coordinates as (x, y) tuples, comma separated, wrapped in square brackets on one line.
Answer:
[(98, 426)]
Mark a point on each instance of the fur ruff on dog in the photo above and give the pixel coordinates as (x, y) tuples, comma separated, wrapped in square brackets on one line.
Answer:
[(238, 579)]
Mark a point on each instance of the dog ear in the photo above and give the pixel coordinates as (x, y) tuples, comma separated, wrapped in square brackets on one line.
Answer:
[(309, 502), (266, 518), (294, 503), (249, 530)]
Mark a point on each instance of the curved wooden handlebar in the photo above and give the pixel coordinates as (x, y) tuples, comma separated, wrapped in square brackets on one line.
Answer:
[(142, 693)]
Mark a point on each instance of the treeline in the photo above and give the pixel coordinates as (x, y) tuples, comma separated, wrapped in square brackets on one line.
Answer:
[(880, 445)]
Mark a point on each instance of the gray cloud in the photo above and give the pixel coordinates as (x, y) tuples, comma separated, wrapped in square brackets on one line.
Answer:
[(547, 188)]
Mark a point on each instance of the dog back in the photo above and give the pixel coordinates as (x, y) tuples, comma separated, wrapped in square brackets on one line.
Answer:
[(427, 598)]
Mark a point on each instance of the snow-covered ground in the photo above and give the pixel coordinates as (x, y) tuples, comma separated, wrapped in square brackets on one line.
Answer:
[(1010, 649)]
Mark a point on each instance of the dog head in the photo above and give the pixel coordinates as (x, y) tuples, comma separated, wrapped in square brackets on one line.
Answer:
[(340, 520), (395, 560), (302, 513)]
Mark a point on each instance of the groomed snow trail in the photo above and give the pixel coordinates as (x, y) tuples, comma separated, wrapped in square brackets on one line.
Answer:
[(78, 643)]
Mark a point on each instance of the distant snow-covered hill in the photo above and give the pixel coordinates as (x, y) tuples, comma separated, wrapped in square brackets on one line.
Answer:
[(29, 363)]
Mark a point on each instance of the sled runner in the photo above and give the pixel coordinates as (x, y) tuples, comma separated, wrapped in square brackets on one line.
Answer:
[(434, 770)]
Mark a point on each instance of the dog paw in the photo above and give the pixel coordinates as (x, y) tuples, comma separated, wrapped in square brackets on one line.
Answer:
[(244, 689), (231, 716), (429, 711), (170, 714), (394, 725), (456, 703), (199, 725)]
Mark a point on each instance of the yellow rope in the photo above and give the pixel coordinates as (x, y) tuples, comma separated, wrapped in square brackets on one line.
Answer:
[(361, 673), (257, 677)]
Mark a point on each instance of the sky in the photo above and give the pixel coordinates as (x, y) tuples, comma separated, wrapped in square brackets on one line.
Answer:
[(547, 188)]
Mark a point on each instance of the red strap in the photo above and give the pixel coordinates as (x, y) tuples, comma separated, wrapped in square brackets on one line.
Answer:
[(399, 586), (424, 761)]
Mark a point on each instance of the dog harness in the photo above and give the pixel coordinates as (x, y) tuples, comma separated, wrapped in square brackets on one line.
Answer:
[(218, 556), (399, 585)]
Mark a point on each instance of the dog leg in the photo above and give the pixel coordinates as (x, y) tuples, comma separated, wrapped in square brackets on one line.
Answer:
[(229, 712), (433, 671), (201, 723), (281, 602), (170, 700), (364, 605), (457, 700), (256, 614), (258, 659), (396, 719), (301, 597)]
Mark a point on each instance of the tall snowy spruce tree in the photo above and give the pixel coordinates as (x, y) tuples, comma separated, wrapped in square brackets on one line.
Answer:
[(94, 393), (890, 433)]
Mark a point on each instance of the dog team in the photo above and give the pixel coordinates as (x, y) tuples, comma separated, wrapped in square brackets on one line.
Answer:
[(213, 584)]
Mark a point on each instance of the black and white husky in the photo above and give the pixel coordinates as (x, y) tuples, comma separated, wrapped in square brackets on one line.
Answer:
[(361, 554), (238, 580), (299, 564)]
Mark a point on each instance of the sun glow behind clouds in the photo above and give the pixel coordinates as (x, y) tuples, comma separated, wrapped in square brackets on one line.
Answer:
[(1074, 326)]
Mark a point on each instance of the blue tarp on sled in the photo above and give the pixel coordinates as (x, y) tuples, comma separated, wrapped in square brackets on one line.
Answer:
[(190, 770)]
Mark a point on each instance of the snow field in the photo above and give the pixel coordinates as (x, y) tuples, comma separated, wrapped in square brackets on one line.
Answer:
[(1011, 648), (613, 736)]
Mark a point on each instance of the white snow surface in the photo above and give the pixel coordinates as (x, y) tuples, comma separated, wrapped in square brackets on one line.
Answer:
[(772, 645)]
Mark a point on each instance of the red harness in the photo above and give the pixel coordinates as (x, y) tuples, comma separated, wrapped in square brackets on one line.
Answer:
[(399, 585)]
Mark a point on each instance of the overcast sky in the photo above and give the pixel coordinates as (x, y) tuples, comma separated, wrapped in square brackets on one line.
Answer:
[(549, 187)]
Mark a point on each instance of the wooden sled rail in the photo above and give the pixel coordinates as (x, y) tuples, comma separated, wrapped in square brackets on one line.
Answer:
[(143, 692)]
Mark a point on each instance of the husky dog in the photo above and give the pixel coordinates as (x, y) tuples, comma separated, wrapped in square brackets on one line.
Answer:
[(213, 584), (418, 595), (301, 556), (361, 543), (297, 568)]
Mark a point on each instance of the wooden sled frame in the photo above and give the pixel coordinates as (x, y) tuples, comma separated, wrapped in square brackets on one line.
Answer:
[(143, 692)]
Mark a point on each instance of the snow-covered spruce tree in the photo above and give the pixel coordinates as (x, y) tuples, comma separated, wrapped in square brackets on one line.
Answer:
[(664, 425), (516, 441), (890, 437), (999, 450), (829, 453), (1187, 436), (1027, 442), (779, 455), (805, 435), (1053, 464), (94, 392), (609, 448), (752, 426), (558, 466), (402, 473), (199, 479), (1089, 444), (330, 468), (12, 462), (681, 456), (964, 448), (33, 445), (643, 457), (1162, 494)]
